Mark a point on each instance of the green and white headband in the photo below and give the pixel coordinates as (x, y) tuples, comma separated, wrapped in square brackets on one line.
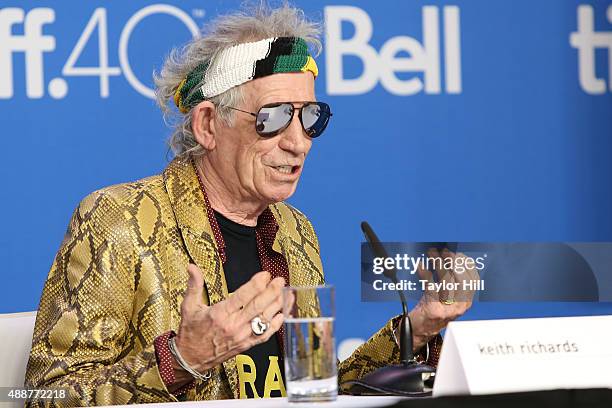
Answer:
[(242, 63)]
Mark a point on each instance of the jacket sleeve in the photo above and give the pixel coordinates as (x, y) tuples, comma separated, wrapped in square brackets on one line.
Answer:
[(380, 350), (80, 340)]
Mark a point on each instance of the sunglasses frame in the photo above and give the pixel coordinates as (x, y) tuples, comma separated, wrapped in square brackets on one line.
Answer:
[(293, 109)]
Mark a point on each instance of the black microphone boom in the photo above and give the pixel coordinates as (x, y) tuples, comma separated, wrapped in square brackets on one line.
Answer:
[(409, 378), (405, 327), (380, 251)]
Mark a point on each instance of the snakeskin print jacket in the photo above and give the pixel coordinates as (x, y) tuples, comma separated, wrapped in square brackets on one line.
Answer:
[(117, 282)]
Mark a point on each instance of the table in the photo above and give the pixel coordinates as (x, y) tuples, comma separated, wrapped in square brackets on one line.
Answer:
[(567, 398), (343, 401), (581, 398)]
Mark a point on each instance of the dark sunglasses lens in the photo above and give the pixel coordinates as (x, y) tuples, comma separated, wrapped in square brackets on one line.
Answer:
[(315, 117), (272, 119)]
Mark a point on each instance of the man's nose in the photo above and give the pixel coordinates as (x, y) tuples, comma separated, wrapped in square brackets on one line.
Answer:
[(294, 138)]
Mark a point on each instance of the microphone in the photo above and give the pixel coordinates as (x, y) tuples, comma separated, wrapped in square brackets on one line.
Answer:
[(409, 377), (405, 326)]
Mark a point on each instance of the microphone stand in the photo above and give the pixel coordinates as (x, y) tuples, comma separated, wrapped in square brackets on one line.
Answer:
[(409, 377)]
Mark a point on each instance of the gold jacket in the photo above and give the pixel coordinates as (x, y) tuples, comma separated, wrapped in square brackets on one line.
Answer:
[(117, 282)]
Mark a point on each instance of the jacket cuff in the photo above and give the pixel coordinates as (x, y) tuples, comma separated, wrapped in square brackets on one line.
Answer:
[(164, 362), (435, 346), (429, 353)]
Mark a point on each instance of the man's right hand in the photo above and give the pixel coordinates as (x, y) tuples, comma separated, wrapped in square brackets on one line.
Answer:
[(209, 335)]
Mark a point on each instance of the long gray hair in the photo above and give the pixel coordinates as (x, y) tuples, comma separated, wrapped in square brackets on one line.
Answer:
[(251, 24)]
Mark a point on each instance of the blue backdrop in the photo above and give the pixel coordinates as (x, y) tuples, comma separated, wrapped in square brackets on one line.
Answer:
[(453, 121)]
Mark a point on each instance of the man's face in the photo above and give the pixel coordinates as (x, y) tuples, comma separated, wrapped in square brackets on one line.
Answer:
[(258, 169)]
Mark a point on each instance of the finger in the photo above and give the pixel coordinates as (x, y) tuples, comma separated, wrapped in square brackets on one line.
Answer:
[(462, 277), (472, 277), (195, 287), (442, 273), (273, 308), (274, 325), (425, 274), (464, 293), (248, 339), (245, 335), (448, 263), (438, 263), (259, 303), (289, 303), (245, 293), (245, 338)]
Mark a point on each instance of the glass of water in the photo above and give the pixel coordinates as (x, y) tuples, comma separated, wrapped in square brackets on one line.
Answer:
[(310, 347)]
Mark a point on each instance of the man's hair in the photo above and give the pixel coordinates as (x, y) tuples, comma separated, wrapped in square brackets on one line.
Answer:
[(252, 23)]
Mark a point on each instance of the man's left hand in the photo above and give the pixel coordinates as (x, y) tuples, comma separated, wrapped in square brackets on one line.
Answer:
[(438, 307)]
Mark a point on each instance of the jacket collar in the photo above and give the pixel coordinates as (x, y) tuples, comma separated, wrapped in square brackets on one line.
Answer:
[(191, 207)]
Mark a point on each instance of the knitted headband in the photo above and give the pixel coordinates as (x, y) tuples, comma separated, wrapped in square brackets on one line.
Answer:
[(242, 63)]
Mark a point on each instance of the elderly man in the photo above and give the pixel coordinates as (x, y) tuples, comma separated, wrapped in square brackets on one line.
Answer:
[(137, 305)]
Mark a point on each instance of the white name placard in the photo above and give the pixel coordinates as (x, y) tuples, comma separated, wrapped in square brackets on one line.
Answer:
[(499, 356)]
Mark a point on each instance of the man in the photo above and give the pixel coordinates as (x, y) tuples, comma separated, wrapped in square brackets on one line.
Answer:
[(137, 305)]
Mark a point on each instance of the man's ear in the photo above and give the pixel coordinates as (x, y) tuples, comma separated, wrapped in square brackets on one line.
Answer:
[(204, 124)]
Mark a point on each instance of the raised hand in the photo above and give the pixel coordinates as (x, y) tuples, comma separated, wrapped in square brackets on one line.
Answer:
[(209, 335), (436, 308)]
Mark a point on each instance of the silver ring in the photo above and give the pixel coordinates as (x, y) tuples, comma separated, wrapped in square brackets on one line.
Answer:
[(259, 326)]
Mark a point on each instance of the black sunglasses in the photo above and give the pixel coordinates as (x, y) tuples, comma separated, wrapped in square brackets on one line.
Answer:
[(273, 118)]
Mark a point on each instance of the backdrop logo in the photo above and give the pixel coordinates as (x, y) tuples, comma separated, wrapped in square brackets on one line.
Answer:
[(383, 65), (34, 44), (586, 40)]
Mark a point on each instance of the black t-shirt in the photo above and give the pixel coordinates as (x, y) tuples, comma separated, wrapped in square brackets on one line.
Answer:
[(242, 262)]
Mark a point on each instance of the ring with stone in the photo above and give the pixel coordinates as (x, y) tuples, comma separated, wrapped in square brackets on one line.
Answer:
[(259, 325), (447, 302)]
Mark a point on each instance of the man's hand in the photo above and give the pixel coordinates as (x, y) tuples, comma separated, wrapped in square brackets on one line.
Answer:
[(209, 335), (436, 308)]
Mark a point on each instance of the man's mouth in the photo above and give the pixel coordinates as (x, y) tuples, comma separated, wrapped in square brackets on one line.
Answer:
[(286, 169)]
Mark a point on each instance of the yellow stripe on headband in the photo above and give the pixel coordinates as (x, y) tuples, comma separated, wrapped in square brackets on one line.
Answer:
[(178, 101), (311, 66)]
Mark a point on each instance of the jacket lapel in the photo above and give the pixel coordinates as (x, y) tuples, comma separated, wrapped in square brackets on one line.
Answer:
[(303, 260), (189, 208)]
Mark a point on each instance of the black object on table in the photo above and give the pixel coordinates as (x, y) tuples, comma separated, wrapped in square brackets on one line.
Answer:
[(575, 398)]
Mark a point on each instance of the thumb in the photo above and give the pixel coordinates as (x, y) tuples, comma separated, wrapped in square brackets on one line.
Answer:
[(195, 285)]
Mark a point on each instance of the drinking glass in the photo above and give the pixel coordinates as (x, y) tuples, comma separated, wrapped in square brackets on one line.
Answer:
[(310, 348)]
